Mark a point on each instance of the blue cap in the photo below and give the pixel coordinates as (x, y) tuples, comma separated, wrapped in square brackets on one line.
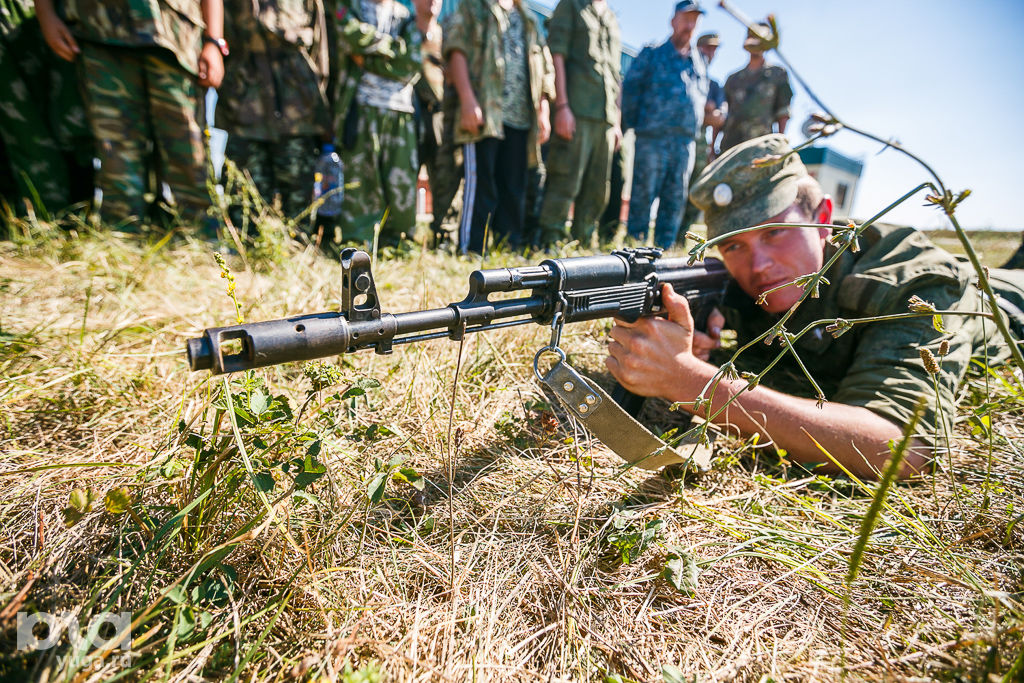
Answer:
[(688, 6), (327, 148)]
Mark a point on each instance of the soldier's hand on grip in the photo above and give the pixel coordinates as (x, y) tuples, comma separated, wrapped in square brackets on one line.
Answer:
[(647, 356)]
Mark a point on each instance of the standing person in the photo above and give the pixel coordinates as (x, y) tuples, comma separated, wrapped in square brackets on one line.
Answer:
[(379, 48), (611, 217), (758, 97), (502, 74), (447, 174), (142, 67), (714, 118), (663, 100), (715, 109), (273, 103), (586, 49), (429, 88), (43, 129)]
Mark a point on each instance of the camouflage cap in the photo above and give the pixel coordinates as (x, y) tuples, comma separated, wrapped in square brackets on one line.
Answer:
[(709, 39), (753, 43), (734, 193)]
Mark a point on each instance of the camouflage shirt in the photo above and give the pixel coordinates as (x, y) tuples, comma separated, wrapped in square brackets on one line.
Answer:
[(275, 78), (664, 92), (877, 365), (379, 91), (361, 48), (176, 25), (756, 100), (475, 29), (591, 44), (515, 95)]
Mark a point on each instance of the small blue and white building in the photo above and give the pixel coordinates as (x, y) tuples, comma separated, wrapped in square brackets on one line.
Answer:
[(837, 174)]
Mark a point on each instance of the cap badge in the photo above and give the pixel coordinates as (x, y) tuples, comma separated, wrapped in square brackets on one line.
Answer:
[(722, 194)]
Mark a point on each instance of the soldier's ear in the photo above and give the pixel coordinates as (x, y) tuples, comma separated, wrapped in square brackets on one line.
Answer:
[(823, 214)]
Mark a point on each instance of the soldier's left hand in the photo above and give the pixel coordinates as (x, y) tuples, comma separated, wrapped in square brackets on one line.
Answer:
[(715, 118), (57, 36), (211, 66), (543, 127)]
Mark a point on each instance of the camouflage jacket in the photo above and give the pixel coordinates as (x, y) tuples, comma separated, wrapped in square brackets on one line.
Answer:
[(591, 43), (176, 25), (756, 100), (877, 365), (360, 48), (664, 93), (476, 30), (275, 79)]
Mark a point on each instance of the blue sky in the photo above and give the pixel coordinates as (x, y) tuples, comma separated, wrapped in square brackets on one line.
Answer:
[(944, 78)]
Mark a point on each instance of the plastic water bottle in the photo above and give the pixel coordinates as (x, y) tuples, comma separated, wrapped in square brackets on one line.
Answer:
[(329, 180)]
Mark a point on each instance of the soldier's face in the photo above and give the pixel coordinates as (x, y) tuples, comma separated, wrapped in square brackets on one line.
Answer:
[(683, 25), (708, 51), (761, 260)]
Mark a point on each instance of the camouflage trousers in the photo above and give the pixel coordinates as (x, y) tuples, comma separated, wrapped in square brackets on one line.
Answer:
[(380, 173), (445, 172), (144, 109), (578, 172), (661, 170), (278, 168), (42, 124)]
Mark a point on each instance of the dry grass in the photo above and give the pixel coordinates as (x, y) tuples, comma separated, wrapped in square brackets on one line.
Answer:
[(994, 247), (506, 566)]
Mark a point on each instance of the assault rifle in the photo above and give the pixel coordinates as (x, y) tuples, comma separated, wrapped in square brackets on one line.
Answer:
[(625, 284)]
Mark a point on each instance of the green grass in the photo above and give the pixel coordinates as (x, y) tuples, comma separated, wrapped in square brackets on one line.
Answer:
[(298, 531)]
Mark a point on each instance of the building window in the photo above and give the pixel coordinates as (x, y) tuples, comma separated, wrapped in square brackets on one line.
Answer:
[(842, 189)]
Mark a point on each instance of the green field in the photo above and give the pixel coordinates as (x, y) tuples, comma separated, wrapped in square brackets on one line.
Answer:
[(428, 515)]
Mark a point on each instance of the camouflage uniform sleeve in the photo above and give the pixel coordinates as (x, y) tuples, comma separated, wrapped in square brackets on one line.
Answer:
[(461, 33), (395, 57), (548, 89), (887, 375), (783, 95), (560, 28), (632, 87)]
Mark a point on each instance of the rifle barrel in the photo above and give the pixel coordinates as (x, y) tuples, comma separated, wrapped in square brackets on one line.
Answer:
[(585, 288)]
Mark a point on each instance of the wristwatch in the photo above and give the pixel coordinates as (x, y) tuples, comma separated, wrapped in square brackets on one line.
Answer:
[(221, 44)]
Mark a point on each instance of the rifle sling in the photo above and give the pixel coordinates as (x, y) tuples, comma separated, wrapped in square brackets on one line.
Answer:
[(616, 428)]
